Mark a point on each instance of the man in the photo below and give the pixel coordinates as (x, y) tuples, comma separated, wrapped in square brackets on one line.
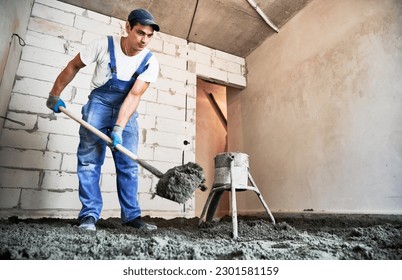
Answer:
[(124, 69)]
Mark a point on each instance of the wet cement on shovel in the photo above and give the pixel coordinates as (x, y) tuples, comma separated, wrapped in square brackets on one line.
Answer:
[(179, 183)]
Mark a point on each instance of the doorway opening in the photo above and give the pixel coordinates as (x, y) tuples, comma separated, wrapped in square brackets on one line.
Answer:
[(211, 137)]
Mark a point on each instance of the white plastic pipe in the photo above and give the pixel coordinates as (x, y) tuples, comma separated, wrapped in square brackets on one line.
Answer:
[(263, 15)]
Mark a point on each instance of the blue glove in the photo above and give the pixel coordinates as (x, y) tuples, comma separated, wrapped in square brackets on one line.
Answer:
[(117, 135), (54, 102)]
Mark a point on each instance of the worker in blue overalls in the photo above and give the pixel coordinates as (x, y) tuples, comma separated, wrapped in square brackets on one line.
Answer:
[(124, 69)]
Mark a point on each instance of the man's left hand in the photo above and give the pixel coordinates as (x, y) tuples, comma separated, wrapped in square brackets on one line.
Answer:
[(117, 135)]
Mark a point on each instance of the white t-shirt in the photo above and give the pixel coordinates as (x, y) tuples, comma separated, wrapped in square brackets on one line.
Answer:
[(98, 51)]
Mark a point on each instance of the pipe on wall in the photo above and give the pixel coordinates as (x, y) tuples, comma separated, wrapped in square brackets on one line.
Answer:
[(263, 15)]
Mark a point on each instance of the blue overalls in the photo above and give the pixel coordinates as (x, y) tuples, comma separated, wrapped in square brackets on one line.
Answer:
[(101, 111)]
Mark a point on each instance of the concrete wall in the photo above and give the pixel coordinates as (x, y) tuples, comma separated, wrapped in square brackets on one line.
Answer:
[(38, 160), (321, 118), (13, 20)]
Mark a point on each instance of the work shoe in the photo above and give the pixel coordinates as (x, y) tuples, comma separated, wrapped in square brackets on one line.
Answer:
[(140, 224), (88, 223)]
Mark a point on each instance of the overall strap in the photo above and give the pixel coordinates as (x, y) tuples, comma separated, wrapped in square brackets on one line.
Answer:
[(112, 63), (143, 66)]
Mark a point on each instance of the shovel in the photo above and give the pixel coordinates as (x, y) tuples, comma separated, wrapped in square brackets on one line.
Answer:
[(177, 184)]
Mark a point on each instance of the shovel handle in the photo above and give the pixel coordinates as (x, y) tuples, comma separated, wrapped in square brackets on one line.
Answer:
[(88, 126), (109, 141)]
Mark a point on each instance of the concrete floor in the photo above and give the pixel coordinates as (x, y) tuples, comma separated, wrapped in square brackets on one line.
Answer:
[(294, 237)]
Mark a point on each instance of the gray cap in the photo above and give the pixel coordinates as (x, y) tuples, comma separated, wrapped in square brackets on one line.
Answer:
[(144, 17)]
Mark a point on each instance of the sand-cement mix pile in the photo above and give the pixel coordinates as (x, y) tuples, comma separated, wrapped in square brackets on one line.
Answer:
[(305, 237)]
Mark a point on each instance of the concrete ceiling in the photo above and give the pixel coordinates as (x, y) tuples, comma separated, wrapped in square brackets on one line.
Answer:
[(232, 26)]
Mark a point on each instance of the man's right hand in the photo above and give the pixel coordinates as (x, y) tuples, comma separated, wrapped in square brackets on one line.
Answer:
[(54, 102)]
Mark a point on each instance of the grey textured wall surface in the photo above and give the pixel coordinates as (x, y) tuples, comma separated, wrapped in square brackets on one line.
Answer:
[(321, 117)]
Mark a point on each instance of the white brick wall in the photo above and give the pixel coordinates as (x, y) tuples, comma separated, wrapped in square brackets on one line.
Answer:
[(9, 198), (17, 178), (110, 200), (52, 14), (57, 125), (28, 120), (56, 180), (29, 159), (46, 57), (33, 87), (44, 41), (38, 160), (217, 65), (46, 199), (57, 30), (21, 139), (69, 163), (63, 143)]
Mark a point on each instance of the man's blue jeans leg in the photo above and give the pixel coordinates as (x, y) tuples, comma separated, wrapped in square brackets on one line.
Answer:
[(127, 173), (91, 155)]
